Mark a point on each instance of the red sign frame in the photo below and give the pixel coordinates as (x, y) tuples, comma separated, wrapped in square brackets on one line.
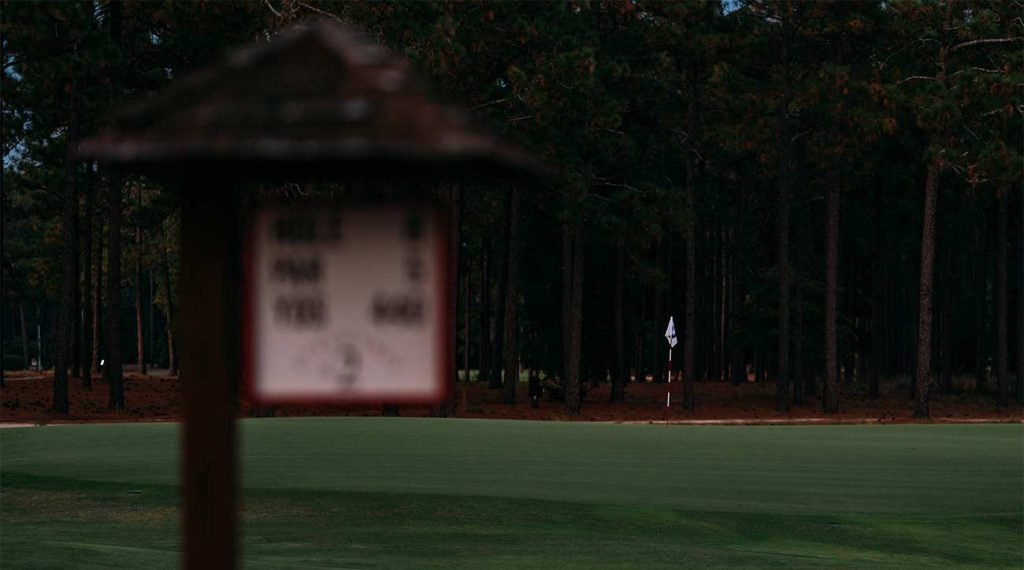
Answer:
[(443, 374)]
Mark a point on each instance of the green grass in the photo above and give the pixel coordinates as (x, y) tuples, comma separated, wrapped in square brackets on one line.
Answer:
[(401, 493)]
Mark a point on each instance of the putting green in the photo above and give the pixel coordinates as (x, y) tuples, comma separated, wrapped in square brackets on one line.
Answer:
[(403, 492)]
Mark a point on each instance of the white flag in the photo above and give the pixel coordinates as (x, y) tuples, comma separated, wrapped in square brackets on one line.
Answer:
[(670, 333)]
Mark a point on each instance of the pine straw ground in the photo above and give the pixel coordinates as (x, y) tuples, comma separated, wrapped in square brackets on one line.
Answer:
[(27, 397)]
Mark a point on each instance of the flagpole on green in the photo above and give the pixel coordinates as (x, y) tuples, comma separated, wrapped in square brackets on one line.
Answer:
[(670, 336), (668, 396)]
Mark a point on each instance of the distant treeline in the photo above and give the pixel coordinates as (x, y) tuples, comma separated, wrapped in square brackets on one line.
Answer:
[(823, 194)]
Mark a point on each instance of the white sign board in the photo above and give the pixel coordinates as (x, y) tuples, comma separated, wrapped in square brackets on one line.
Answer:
[(347, 305)]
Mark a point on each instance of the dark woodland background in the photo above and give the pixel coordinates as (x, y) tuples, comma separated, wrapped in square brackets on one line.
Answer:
[(825, 194)]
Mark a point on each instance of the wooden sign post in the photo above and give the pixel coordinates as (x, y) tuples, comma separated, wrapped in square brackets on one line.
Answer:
[(318, 102), (210, 345)]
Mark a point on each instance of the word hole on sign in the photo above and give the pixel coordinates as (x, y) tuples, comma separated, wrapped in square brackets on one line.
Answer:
[(347, 305)]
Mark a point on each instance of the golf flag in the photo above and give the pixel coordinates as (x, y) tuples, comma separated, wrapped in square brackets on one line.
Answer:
[(670, 333)]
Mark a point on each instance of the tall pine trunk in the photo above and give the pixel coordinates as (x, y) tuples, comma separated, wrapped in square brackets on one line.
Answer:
[(1020, 305), (831, 399), (782, 381), (467, 299), (690, 323), (640, 372), (87, 306), (497, 354), (572, 297), (447, 407), (877, 261), (922, 377), (24, 335), (619, 373), (140, 336), (782, 387), (660, 318), (690, 318), (980, 307), (737, 362), (1002, 302), (946, 341), (171, 318), (484, 373), (511, 331), (97, 296), (799, 390), (69, 219), (76, 290), (112, 369)]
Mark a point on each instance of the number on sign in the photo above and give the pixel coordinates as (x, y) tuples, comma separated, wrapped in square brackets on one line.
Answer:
[(300, 312)]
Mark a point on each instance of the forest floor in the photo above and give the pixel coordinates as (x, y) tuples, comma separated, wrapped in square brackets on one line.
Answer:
[(28, 395)]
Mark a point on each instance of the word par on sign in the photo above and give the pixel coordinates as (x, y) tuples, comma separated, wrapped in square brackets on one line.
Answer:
[(347, 305)]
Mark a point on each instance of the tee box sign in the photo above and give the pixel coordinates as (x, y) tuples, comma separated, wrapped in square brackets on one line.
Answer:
[(347, 305)]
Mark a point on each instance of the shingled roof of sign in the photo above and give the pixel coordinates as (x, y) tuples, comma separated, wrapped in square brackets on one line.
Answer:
[(317, 93)]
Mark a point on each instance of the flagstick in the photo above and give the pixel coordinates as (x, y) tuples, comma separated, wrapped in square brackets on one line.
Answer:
[(670, 336), (668, 396)]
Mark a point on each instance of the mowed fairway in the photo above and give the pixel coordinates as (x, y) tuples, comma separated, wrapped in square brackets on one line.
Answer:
[(404, 493)]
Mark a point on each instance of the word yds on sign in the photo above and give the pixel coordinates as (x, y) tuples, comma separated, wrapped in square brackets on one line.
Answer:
[(347, 305)]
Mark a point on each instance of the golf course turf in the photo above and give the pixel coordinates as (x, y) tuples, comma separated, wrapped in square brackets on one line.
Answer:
[(404, 492)]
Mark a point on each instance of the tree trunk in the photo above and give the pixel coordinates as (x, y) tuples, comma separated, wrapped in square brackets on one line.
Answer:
[(511, 331), (39, 338), (722, 320), (69, 219), (484, 373), (171, 319), (569, 383), (886, 317), (877, 262), (799, 391), (140, 335), (946, 347), (87, 300), (572, 297), (980, 308), (907, 339), (924, 328), (922, 377), (97, 297), (782, 393), (1002, 303), (782, 385), (76, 290), (640, 374), (467, 298), (657, 352), (831, 403), (737, 363), (1020, 306), (24, 335), (497, 355), (756, 362), (112, 369), (447, 408), (690, 323), (619, 374)]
